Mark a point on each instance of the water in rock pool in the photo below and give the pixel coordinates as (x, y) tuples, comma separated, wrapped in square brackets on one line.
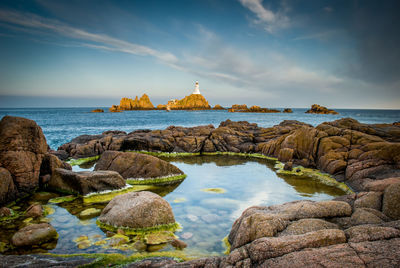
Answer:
[(216, 191)]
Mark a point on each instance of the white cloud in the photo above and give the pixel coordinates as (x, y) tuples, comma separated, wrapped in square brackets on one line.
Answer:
[(268, 19), (106, 42)]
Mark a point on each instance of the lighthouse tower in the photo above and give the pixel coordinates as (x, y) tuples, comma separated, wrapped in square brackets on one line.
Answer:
[(196, 88)]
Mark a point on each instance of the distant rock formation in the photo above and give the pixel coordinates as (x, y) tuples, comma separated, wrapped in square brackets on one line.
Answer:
[(236, 108), (191, 102), (98, 111), (218, 107), (161, 107), (144, 103), (288, 110), (318, 109), (114, 109)]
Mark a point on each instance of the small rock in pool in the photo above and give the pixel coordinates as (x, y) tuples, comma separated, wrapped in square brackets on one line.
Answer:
[(192, 217), (214, 190), (187, 235)]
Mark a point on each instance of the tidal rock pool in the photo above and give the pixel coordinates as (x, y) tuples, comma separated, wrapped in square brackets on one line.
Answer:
[(215, 192)]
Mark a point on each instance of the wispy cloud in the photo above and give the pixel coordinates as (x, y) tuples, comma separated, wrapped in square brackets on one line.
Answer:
[(271, 21), (32, 21)]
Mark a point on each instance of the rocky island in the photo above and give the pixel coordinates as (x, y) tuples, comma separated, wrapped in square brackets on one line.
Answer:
[(318, 109), (127, 104), (237, 108)]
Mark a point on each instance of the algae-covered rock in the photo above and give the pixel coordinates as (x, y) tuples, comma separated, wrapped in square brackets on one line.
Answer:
[(137, 211), (89, 213), (85, 182), (136, 166), (34, 234)]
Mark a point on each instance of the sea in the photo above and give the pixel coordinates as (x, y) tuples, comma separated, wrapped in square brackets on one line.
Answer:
[(214, 194), (60, 125)]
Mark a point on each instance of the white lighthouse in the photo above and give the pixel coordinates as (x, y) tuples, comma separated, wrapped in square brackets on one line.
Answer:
[(196, 88)]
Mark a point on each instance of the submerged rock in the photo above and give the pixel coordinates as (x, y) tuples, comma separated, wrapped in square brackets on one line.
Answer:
[(134, 165), (34, 234), (138, 211), (34, 211), (85, 182)]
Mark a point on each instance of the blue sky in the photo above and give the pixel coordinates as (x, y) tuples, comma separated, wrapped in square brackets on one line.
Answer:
[(341, 54)]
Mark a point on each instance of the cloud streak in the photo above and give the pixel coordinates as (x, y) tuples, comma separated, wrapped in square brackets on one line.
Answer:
[(33, 21), (267, 18)]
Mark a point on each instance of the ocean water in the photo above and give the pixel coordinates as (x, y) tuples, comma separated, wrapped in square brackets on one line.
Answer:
[(60, 125)]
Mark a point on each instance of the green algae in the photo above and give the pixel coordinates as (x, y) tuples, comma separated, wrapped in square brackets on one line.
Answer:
[(116, 259), (226, 245), (214, 190), (164, 154), (80, 161), (324, 178), (250, 155), (172, 227), (14, 215), (62, 199), (48, 210), (157, 181), (106, 196)]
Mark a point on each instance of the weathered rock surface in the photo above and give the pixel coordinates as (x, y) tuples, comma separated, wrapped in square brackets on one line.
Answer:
[(363, 233), (22, 148), (85, 182), (391, 201), (318, 109), (347, 149), (11, 261), (137, 210), (34, 234), (307, 225), (34, 211), (134, 165), (114, 109)]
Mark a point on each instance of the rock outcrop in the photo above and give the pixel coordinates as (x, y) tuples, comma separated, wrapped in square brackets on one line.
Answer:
[(134, 165), (351, 151), (191, 102), (137, 210), (253, 109), (98, 111), (144, 103), (85, 182), (218, 107), (287, 110), (34, 234), (318, 109), (114, 109)]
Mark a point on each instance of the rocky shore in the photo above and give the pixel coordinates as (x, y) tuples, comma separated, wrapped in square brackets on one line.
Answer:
[(357, 230)]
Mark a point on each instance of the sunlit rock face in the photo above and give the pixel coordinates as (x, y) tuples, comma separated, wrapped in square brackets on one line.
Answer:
[(143, 103)]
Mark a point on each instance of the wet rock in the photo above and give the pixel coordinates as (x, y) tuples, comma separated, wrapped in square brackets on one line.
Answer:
[(369, 200), (137, 210), (5, 212), (178, 244), (271, 247), (85, 182), (139, 245), (134, 165), (118, 240), (288, 166), (34, 211), (307, 225), (363, 233), (44, 261), (159, 237), (341, 255), (34, 234), (391, 201), (22, 148), (210, 262), (89, 213)]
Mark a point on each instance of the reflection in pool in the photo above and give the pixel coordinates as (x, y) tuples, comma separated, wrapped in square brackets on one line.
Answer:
[(216, 191)]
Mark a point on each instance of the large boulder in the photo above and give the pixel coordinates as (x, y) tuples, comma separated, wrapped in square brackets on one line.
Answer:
[(391, 201), (22, 148), (134, 165), (137, 210), (8, 191), (85, 182), (34, 234)]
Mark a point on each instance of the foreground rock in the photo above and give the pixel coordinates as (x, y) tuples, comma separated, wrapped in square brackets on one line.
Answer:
[(353, 152), (318, 109), (137, 210), (34, 234), (133, 165), (85, 182)]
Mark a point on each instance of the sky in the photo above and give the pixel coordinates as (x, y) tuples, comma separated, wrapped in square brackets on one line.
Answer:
[(288, 53)]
